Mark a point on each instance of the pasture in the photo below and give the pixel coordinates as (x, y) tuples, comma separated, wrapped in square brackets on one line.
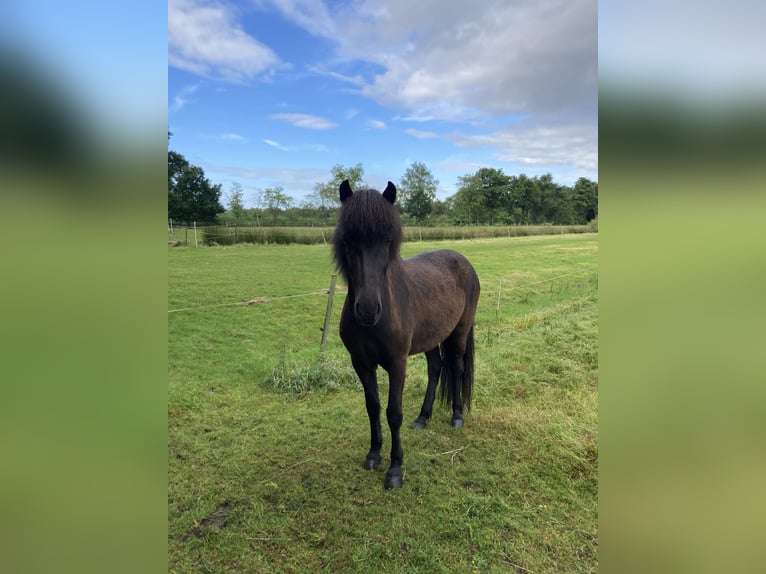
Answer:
[(266, 440)]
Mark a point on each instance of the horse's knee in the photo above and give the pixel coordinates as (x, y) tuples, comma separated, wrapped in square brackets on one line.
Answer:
[(394, 417)]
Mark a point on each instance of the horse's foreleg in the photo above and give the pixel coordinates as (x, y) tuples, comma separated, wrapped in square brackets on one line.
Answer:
[(394, 415), (370, 384), (434, 369)]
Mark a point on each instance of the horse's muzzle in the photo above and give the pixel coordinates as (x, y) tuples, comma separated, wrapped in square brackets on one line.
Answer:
[(368, 313)]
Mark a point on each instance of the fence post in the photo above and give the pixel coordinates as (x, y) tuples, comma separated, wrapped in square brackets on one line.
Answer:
[(499, 289), (195, 234), (327, 314)]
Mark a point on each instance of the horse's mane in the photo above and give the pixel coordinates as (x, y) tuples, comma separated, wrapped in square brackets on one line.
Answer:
[(366, 217)]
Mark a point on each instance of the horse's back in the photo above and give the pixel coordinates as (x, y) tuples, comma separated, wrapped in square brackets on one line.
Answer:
[(445, 265)]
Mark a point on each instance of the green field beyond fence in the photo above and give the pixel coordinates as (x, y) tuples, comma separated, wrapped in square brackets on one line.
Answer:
[(266, 439), (230, 235)]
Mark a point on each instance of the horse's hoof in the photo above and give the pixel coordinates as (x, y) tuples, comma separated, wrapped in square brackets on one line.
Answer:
[(420, 423), (457, 423), (372, 461), (393, 480)]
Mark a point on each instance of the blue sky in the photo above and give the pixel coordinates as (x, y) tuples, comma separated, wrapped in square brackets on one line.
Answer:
[(275, 92)]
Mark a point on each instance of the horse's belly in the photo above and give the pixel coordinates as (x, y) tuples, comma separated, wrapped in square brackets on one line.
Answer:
[(436, 327)]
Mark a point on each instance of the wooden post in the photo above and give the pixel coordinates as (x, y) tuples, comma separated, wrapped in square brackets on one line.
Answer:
[(195, 234), (327, 314), (497, 306)]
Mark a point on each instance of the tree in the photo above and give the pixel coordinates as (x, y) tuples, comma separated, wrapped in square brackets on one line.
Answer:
[(466, 203), (481, 195), (585, 200), (191, 196), (562, 206), (544, 207), (327, 193), (257, 200), (417, 191), (176, 165), (276, 200), (236, 202), (524, 198)]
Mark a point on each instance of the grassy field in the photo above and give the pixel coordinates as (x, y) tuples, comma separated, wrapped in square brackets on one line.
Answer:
[(265, 469)]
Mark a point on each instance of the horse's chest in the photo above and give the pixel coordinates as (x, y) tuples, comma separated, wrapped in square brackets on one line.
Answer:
[(378, 344)]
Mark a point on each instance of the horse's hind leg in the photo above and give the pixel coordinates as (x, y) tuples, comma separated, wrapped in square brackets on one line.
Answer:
[(434, 370), (452, 378), (457, 400)]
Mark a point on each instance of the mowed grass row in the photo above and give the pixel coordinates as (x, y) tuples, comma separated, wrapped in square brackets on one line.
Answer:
[(266, 480)]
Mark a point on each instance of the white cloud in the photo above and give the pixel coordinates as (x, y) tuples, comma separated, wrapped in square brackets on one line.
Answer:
[(538, 145), (276, 145), (311, 15), (298, 148), (377, 124), (205, 39), (462, 167), (234, 137), (473, 62), (494, 56), (356, 80), (182, 98), (305, 121), (421, 134), (479, 63), (299, 180)]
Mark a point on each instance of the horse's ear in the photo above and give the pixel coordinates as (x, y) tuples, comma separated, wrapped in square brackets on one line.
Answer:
[(345, 190), (390, 192)]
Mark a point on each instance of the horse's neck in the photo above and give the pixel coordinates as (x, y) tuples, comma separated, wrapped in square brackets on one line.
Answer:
[(396, 276)]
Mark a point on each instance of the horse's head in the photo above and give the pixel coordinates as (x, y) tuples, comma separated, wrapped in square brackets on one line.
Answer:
[(367, 239)]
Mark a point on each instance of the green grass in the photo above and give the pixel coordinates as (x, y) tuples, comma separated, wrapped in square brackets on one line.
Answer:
[(265, 461)]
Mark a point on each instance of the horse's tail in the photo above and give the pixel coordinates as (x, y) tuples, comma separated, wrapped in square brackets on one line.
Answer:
[(449, 377), (468, 372)]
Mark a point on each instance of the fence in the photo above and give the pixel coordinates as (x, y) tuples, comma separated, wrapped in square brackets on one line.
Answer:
[(501, 289), (210, 234)]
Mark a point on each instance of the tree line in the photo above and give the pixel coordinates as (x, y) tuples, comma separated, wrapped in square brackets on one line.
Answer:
[(486, 197)]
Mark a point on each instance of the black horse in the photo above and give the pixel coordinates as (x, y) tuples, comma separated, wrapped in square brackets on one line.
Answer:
[(399, 307)]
